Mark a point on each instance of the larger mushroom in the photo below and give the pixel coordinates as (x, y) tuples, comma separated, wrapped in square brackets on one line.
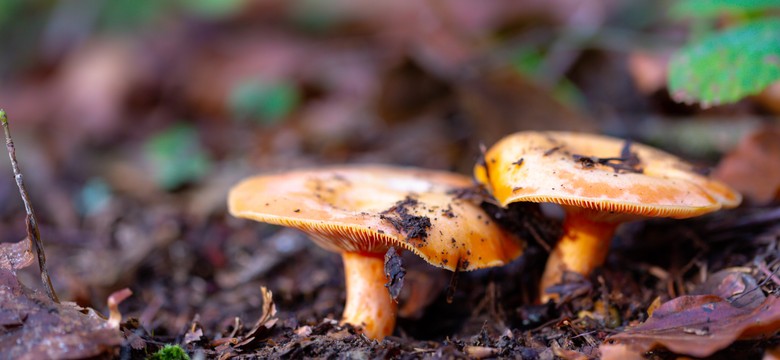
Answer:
[(600, 182), (362, 211)]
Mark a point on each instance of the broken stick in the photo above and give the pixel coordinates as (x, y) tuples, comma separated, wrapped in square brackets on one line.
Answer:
[(32, 223)]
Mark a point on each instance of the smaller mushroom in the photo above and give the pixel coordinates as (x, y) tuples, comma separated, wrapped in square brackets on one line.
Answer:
[(600, 182), (362, 211)]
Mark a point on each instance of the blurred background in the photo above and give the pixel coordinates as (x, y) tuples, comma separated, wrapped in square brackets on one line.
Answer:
[(133, 117)]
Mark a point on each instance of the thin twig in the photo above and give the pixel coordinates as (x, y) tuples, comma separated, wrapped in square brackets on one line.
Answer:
[(32, 223)]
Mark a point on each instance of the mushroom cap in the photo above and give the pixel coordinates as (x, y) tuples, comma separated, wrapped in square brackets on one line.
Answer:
[(371, 208), (659, 185)]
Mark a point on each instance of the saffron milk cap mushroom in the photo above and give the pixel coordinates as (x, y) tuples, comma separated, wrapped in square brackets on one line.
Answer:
[(600, 182), (362, 211)]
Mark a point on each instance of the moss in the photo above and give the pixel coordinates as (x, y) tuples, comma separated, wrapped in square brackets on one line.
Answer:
[(170, 352)]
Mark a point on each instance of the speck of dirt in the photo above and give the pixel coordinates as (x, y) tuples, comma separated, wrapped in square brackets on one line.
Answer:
[(465, 263), (702, 170), (297, 210), (551, 151), (414, 226), (476, 193), (519, 162), (447, 212)]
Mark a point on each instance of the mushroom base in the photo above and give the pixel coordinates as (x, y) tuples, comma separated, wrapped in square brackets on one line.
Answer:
[(369, 305), (583, 247)]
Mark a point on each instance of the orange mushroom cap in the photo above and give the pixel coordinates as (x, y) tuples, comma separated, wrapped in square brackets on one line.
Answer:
[(367, 209), (558, 167)]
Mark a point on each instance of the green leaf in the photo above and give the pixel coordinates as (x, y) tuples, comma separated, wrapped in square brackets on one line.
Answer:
[(707, 9), (213, 9), (177, 157), (264, 102), (727, 66), (130, 15)]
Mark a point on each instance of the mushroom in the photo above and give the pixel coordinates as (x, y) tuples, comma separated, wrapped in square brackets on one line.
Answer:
[(362, 211), (600, 182)]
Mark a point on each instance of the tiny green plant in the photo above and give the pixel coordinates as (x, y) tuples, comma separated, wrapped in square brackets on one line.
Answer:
[(725, 66), (170, 352)]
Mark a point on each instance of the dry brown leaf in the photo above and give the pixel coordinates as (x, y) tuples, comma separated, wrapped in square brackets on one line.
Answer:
[(567, 354), (34, 327), (699, 326), (15, 256), (265, 323), (733, 284), (752, 167)]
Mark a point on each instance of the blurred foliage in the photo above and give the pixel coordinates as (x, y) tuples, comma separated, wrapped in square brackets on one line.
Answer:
[(177, 157), (727, 66), (129, 15), (708, 9), (212, 8), (530, 61), (264, 102), (9, 8), (314, 15)]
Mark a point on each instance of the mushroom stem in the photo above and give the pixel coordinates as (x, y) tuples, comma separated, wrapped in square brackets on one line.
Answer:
[(582, 248), (369, 305)]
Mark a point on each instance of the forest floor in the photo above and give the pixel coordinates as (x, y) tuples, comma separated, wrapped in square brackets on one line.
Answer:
[(129, 144)]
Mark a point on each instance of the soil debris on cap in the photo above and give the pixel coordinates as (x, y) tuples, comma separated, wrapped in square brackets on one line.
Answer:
[(414, 226), (395, 273), (552, 151), (628, 160), (476, 194)]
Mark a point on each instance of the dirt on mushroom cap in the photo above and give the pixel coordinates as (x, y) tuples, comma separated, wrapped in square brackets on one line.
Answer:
[(666, 186), (370, 208)]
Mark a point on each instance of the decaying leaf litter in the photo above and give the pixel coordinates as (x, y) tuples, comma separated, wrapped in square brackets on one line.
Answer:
[(120, 206)]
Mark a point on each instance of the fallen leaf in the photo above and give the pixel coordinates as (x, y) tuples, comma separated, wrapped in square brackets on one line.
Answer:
[(750, 168), (15, 256), (567, 354), (700, 325), (736, 286), (34, 327), (265, 323)]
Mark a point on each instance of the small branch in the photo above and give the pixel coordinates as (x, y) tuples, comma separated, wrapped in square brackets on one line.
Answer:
[(32, 223)]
